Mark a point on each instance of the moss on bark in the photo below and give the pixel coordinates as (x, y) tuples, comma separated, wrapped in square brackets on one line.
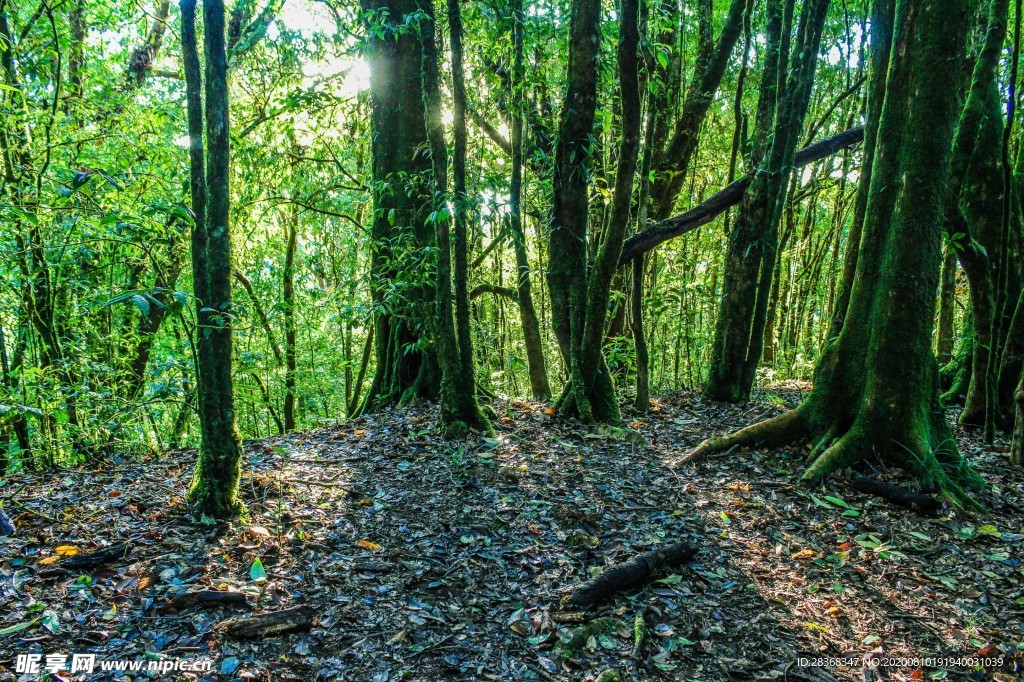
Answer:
[(876, 385)]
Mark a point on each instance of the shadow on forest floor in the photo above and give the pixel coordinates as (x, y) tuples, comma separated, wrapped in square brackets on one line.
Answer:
[(428, 559)]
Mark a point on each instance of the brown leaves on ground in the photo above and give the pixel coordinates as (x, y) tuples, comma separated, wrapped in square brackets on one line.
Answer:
[(424, 558)]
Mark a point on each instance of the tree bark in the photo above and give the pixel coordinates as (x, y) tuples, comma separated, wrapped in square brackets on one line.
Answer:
[(567, 241), (875, 390), (403, 298), (539, 386), (947, 306), (214, 488), (459, 408), (750, 260)]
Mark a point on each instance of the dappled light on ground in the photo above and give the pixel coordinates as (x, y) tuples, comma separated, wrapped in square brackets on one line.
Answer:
[(440, 559)]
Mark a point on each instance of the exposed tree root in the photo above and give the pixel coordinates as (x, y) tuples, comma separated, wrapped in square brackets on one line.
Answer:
[(941, 467), (775, 431)]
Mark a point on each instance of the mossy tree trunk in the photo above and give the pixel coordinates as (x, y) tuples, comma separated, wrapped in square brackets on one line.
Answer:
[(947, 308), (879, 52), (754, 241), (539, 385), (567, 241), (459, 408), (973, 205), (401, 238), (214, 489), (579, 301), (876, 384)]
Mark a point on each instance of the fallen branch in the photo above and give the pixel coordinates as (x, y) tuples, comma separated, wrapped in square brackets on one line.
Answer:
[(631, 574), (297, 619), (205, 598), (97, 558), (641, 243), (897, 494)]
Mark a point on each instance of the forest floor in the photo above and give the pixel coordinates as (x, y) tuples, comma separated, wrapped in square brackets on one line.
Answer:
[(421, 558)]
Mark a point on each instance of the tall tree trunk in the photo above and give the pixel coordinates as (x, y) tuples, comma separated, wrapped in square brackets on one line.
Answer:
[(291, 223), (459, 408), (460, 254), (750, 261), (567, 242), (214, 489), (582, 300), (401, 236), (876, 390), (1017, 446), (539, 385), (973, 211), (879, 53)]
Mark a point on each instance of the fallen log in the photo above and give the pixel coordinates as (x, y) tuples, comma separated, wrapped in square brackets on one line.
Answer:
[(205, 598), (272, 624), (96, 559), (630, 574), (897, 494), (729, 196)]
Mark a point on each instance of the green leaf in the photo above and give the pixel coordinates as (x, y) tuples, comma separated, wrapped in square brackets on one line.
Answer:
[(24, 625), (257, 573), (141, 303), (838, 501), (50, 621), (821, 503)]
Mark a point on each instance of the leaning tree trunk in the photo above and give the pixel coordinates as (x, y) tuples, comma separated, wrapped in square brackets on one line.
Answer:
[(214, 488), (403, 298), (876, 385)]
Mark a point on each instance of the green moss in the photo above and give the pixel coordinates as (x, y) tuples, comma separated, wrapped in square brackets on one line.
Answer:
[(582, 634)]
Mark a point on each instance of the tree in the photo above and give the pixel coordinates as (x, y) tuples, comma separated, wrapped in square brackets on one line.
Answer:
[(214, 488), (580, 301), (751, 257), (539, 385), (459, 408), (407, 366), (875, 388)]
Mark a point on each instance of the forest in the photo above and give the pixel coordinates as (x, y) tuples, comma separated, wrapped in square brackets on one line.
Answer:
[(588, 340)]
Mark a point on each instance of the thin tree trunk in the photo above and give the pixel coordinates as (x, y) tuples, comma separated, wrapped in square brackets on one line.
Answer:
[(214, 488), (539, 385), (291, 223)]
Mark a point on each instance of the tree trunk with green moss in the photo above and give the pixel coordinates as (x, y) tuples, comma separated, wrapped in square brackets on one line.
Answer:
[(1017, 447), (567, 242), (876, 385), (973, 206), (539, 385), (580, 300), (401, 237), (459, 408), (753, 243), (214, 489)]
